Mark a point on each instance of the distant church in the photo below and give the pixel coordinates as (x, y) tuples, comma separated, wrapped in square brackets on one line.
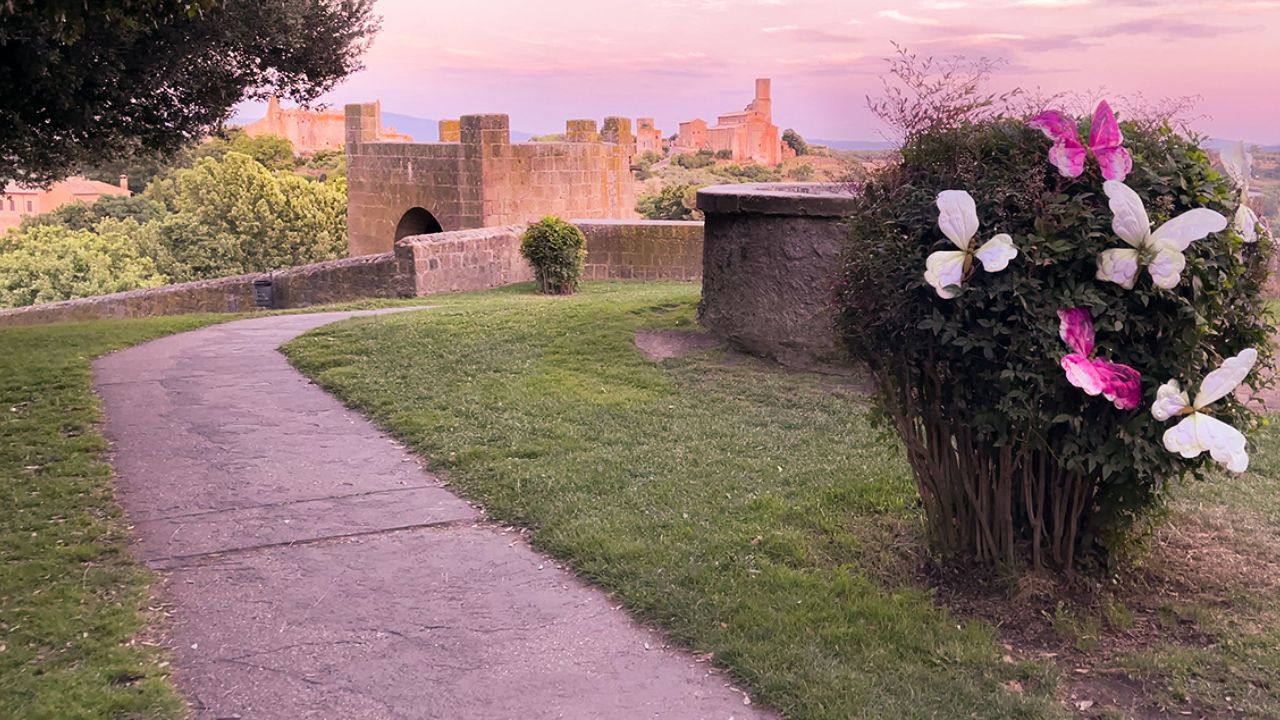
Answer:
[(749, 134), (310, 130)]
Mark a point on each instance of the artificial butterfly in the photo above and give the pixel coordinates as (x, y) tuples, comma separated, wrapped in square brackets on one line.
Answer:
[(1105, 141)]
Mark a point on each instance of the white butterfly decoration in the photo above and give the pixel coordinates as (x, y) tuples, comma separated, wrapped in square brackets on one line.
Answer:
[(1160, 250), (1239, 165), (1199, 432), (958, 219)]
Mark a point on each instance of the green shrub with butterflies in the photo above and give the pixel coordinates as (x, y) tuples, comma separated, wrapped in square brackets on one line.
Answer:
[(1057, 313)]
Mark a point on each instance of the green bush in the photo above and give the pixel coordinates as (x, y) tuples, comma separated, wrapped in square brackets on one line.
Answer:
[(673, 202), (693, 161), (51, 263), (557, 251), (801, 173), (83, 216), (724, 154), (1012, 460)]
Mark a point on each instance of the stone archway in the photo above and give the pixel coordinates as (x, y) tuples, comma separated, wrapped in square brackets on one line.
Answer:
[(417, 221)]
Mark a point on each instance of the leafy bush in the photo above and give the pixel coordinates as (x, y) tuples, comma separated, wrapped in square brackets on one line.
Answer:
[(801, 173), (51, 263), (1012, 461), (557, 252), (724, 154), (748, 172), (797, 143), (693, 161), (673, 202)]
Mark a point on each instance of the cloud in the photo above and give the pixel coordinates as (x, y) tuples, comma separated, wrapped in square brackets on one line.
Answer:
[(944, 4), (1052, 3), (809, 35), (899, 16)]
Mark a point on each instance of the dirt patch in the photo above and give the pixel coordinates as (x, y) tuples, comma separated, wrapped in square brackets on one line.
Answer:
[(659, 345), (1199, 564)]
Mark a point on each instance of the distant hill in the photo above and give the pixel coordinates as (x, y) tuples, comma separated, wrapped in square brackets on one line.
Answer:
[(420, 129), (1219, 143), (853, 144)]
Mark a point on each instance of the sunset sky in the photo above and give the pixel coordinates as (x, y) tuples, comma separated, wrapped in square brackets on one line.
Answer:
[(547, 60)]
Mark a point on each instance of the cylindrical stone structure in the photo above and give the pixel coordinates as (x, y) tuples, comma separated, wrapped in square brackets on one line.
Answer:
[(770, 263)]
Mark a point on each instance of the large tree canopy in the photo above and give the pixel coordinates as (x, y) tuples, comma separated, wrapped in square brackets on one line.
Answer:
[(88, 81)]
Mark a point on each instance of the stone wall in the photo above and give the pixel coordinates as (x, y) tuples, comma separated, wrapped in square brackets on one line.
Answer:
[(462, 260), (481, 179), (642, 249), (420, 265), (333, 281)]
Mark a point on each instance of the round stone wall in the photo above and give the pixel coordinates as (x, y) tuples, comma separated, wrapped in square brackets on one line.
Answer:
[(769, 267)]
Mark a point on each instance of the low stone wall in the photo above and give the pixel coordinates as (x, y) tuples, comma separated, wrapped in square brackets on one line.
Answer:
[(340, 280), (770, 263), (642, 250), (462, 260), (420, 265), (333, 281)]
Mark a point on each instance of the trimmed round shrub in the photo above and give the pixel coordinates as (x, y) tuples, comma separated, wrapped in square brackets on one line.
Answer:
[(1015, 462), (557, 251)]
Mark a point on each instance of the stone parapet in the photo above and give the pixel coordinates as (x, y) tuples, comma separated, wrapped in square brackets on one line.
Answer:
[(642, 249), (332, 281), (462, 260)]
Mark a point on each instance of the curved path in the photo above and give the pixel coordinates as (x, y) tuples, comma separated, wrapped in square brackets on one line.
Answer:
[(315, 570)]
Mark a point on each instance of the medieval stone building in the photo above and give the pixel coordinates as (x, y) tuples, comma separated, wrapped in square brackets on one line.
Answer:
[(749, 135), (476, 177), (310, 130)]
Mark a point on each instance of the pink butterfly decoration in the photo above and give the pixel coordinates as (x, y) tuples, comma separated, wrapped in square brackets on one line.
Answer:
[(1120, 384), (1105, 140)]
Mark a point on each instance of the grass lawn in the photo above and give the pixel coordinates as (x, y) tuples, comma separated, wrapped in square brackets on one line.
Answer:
[(749, 512), (757, 515), (72, 601)]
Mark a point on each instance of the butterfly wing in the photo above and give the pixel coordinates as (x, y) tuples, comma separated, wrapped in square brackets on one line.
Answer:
[(1170, 400), (996, 253), (1106, 142), (1246, 223), (1166, 268), (1083, 373), (1199, 432), (944, 270), (1222, 381), (1075, 327), (957, 217), (1238, 163), (1128, 215), (1067, 153), (1119, 266), (1191, 225), (1121, 384)]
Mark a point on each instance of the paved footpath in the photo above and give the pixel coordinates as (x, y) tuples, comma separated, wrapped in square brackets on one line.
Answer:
[(315, 570)]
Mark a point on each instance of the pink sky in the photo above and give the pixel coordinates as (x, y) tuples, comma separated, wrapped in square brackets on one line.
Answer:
[(547, 60)]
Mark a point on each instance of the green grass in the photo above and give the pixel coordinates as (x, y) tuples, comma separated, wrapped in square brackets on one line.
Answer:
[(751, 513), (71, 598)]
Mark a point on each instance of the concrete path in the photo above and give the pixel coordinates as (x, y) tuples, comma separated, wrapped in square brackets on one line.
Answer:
[(315, 570)]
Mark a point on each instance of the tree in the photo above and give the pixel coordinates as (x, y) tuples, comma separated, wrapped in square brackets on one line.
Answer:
[(797, 143), (51, 263), (271, 151), (84, 216), (266, 220), (86, 83)]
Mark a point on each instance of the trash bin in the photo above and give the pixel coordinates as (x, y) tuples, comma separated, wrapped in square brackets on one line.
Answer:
[(263, 294)]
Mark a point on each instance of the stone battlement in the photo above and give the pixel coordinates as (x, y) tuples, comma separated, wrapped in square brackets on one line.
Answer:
[(476, 177)]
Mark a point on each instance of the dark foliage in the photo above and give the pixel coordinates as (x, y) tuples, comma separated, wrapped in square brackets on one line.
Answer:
[(83, 84)]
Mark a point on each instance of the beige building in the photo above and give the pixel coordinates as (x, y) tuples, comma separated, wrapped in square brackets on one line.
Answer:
[(310, 130), (648, 137), (476, 177), (749, 135), (17, 202)]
